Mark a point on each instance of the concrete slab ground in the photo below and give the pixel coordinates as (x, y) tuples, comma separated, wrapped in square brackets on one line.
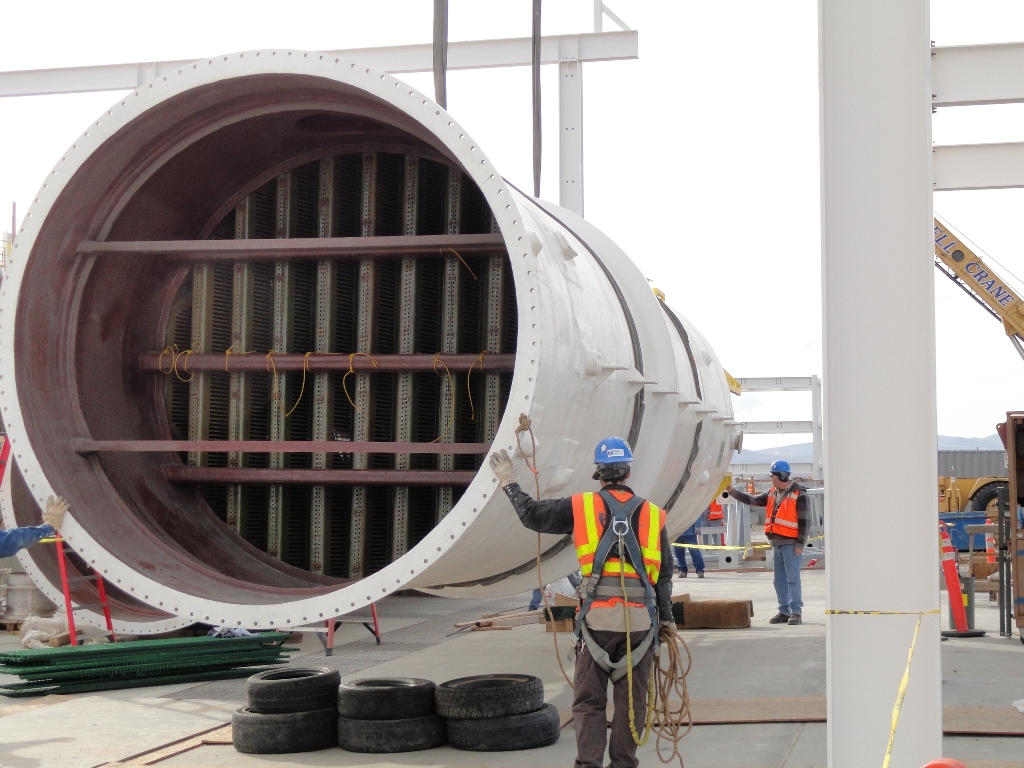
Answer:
[(764, 661)]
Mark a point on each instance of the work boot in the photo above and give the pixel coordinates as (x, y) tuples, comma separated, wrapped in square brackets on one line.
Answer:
[(779, 618), (795, 619), (700, 574), (682, 574)]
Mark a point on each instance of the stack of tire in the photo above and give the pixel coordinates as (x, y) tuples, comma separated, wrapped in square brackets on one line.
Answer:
[(294, 709), (497, 713), (391, 714)]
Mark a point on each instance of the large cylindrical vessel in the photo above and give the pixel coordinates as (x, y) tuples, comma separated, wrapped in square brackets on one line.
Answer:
[(266, 318)]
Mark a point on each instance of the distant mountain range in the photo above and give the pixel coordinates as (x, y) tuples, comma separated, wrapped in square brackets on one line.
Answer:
[(802, 452)]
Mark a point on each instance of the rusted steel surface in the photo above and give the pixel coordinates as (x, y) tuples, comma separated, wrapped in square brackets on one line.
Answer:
[(267, 446), (164, 362), (244, 475), (298, 248)]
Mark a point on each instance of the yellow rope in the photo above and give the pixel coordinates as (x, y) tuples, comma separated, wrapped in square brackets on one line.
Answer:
[(159, 359), (450, 420), (174, 365), (344, 386), (231, 351), (469, 390), (305, 369)]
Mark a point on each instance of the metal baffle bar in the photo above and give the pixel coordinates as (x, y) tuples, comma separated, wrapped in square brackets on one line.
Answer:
[(323, 406), (283, 290), (241, 342), (202, 340), (406, 346), (495, 332), (364, 343), (449, 333)]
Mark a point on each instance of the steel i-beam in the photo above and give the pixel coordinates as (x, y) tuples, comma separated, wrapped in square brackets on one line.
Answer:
[(449, 333), (406, 346), (202, 341), (364, 343), (322, 390), (241, 342), (283, 292)]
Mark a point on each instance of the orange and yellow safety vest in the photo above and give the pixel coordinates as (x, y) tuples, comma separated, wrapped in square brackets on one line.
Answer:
[(590, 517)]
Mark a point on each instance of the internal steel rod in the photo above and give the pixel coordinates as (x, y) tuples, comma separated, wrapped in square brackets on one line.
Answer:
[(394, 246), (153, 362), (82, 445), (357, 477)]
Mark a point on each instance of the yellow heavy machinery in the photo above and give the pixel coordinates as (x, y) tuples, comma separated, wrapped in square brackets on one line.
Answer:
[(965, 268)]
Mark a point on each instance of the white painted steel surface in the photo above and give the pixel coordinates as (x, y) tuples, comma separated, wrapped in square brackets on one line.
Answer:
[(577, 374), (966, 75), (879, 377), (979, 166), (397, 59)]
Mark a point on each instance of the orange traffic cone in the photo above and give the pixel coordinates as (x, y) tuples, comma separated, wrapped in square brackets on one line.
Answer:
[(956, 596)]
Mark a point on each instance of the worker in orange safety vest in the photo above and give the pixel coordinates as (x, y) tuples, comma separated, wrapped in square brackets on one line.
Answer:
[(785, 525), (619, 538)]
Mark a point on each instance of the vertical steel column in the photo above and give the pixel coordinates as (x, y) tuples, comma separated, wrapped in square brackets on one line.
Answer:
[(202, 341), (570, 124), (241, 342), (323, 406), (406, 346), (876, 177), (364, 343), (495, 314), (284, 290), (449, 333), (816, 433)]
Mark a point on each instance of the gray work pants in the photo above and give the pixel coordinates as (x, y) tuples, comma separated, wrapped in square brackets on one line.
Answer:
[(590, 704)]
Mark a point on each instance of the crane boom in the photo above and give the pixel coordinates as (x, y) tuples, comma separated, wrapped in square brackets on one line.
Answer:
[(962, 265)]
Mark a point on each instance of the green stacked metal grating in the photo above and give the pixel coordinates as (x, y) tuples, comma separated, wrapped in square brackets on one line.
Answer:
[(79, 669)]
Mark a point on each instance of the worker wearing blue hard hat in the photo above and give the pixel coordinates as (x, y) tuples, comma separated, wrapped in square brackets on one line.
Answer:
[(625, 599), (785, 525)]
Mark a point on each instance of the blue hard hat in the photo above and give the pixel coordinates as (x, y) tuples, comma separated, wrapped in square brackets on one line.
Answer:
[(778, 467), (613, 450)]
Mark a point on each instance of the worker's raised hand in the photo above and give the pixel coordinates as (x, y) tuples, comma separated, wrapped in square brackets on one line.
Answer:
[(666, 631), (55, 509), (502, 467)]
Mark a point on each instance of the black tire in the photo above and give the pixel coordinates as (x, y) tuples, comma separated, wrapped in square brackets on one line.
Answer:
[(293, 689), (985, 496), (257, 733), (404, 735), (386, 698), (482, 696), (505, 734)]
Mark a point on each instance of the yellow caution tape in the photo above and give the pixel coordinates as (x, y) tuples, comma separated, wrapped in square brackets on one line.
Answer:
[(902, 692), (724, 546)]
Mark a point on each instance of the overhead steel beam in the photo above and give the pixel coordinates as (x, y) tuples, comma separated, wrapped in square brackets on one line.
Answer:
[(971, 75), (800, 469), (84, 445), (470, 54), (978, 166), (279, 477), (776, 427), (327, 361), (777, 384)]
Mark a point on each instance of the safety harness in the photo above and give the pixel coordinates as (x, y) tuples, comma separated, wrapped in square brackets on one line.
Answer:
[(618, 535)]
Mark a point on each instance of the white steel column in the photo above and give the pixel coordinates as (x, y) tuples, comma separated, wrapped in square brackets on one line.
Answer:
[(570, 125), (879, 377)]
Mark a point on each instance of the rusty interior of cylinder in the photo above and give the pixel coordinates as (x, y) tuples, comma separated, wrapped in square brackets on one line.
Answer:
[(296, 274)]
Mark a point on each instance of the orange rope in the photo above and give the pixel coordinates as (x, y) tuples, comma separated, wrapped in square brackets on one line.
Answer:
[(451, 411), (459, 256), (469, 390), (343, 378)]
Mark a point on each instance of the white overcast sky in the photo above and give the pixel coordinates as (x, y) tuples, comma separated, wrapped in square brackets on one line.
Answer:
[(701, 157)]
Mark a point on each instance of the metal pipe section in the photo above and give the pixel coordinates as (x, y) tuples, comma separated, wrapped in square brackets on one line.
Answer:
[(271, 150)]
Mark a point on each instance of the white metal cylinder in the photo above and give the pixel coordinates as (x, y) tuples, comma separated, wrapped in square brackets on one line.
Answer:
[(597, 354)]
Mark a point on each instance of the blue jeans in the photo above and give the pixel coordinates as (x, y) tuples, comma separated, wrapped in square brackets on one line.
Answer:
[(787, 578), (698, 559)]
